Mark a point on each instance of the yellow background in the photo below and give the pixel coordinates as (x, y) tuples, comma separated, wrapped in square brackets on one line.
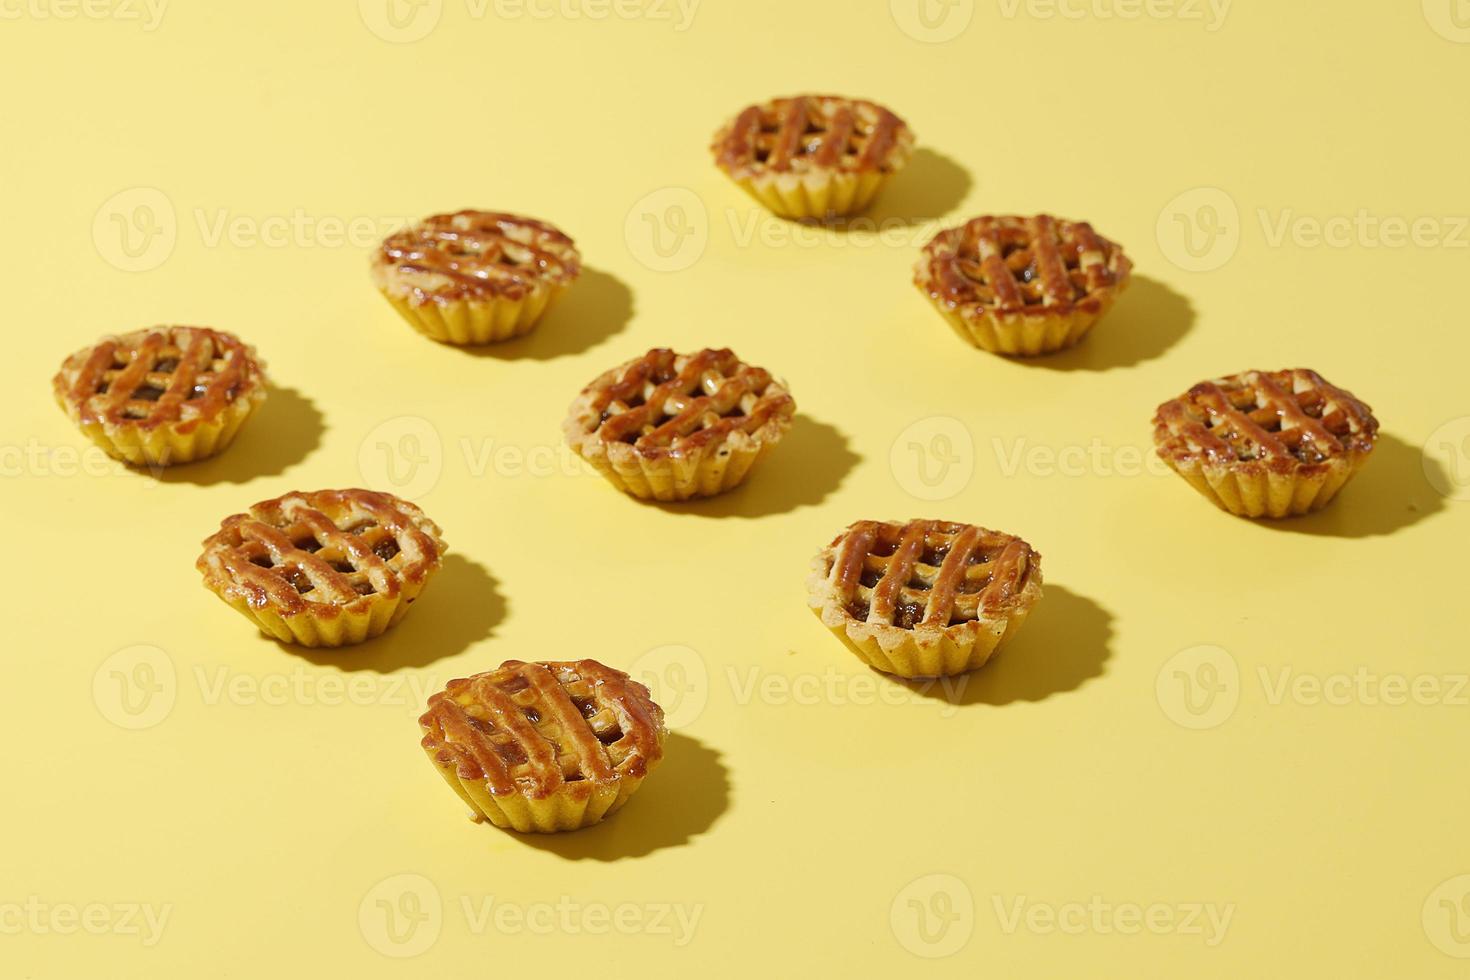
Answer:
[(800, 823)]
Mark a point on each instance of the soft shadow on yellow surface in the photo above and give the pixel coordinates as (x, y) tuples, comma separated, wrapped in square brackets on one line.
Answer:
[(679, 800), (1146, 321), (930, 186), (808, 464), (1390, 493), (1064, 643), (280, 434), (597, 306), (457, 609)]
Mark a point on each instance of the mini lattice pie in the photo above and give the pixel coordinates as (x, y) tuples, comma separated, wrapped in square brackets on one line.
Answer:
[(544, 746), (1013, 285), (162, 396), (326, 568), (669, 426), (813, 156), (475, 277), (926, 598), (1266, 443)]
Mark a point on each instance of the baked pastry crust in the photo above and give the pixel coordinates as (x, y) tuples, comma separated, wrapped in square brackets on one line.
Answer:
[(669, 426), (325, 568), (475, 277), (924, 598), (544, 747), (163, 395), (1022, 285), (813, 156), (1266, 443)]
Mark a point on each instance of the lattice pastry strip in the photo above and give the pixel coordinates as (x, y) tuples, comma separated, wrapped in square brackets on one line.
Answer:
[(164, 395), (325, 568), (1043, 263), (669, 427), (707, 397), (1266, 444), (813, 156), (829, 133), (544, 746), (1022, 285), (475, 277), (926, 597)]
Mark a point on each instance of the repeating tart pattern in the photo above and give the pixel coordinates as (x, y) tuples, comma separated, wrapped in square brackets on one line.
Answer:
[(671, 427), (557, 746), (1022, 285), (475, 277), (1266, 443), (544, 747), (813, 156), (326, 568), (924, 598), (162, 396)]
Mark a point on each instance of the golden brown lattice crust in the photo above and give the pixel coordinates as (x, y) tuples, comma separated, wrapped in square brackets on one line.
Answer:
[(182, 377), (538, 729), (1280, 421), (475, 255), (1266, 443), (808, 133), (327, 553), (1011, 264), (924, 598), (927, 573), (666, 404)]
